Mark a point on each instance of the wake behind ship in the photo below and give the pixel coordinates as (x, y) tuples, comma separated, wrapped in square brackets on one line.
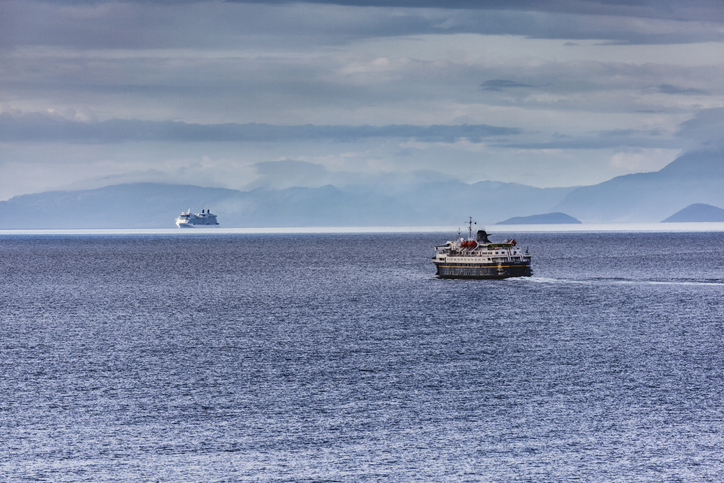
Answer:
[(190, 220), (480, 258)]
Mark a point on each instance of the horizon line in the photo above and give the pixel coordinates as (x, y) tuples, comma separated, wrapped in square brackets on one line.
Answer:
[(681, 227)]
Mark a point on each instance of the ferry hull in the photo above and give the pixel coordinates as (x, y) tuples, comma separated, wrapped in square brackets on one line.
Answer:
[(482, 271)]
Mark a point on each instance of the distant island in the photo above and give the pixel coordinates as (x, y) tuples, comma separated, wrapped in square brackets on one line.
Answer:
[(697, 212), (556, 218)]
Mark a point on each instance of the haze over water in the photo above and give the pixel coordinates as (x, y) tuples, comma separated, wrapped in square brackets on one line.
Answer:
[(341, 357)]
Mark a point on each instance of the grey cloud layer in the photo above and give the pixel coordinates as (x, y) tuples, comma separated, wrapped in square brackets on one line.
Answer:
[(37, 127), (670, 9), (333, 88), (607, 86), (628, 138), (213, 62), (227, 24), (23, 127)]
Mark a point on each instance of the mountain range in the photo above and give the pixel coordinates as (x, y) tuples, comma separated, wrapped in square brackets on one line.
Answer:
[(557, 218), (695, 177)]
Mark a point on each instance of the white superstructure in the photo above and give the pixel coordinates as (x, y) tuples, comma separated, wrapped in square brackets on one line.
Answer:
[(190, 220)]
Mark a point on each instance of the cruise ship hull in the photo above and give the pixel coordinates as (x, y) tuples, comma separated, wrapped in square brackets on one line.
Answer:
[(481, 271), (197, 225)]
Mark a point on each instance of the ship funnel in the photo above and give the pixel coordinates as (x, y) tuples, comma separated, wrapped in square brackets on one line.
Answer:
[(482, 237)]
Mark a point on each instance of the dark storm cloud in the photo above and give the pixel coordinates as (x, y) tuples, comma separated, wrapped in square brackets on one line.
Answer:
[(39, 127)]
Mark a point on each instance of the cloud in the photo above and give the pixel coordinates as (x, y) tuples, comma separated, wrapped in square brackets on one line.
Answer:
[(19, 127), (500, 84), (604, 86), (705, 129), (676, 90), (669, 9), (287, 173), (324, 88), (241, 24), (643, 160), (612, 139)]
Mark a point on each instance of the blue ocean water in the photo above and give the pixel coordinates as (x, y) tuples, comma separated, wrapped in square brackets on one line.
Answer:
[(341, 357)]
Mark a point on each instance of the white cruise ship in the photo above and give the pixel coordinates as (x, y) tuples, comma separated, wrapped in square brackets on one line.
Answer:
[(190, 220)]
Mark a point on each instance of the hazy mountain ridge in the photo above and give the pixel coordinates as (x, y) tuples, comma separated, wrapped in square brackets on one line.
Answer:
[(644, 197), (545, 218), (138, 205), (151, 205), (650, 197)]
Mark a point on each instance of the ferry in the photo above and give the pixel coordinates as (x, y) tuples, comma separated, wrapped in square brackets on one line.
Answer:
[(480, 258), (190, 220)]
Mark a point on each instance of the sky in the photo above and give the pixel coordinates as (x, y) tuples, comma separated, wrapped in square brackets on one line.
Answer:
[(249, 94)]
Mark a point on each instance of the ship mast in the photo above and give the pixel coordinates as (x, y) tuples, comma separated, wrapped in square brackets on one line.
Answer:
[(470, 227)]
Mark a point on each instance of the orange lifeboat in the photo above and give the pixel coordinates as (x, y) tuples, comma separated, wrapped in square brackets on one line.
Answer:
[(468, 244)]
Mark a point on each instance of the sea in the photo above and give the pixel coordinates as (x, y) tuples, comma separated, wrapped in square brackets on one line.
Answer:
[(335, 357)]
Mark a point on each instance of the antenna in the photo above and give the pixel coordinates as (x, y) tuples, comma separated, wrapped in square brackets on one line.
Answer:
[(470, 227)]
